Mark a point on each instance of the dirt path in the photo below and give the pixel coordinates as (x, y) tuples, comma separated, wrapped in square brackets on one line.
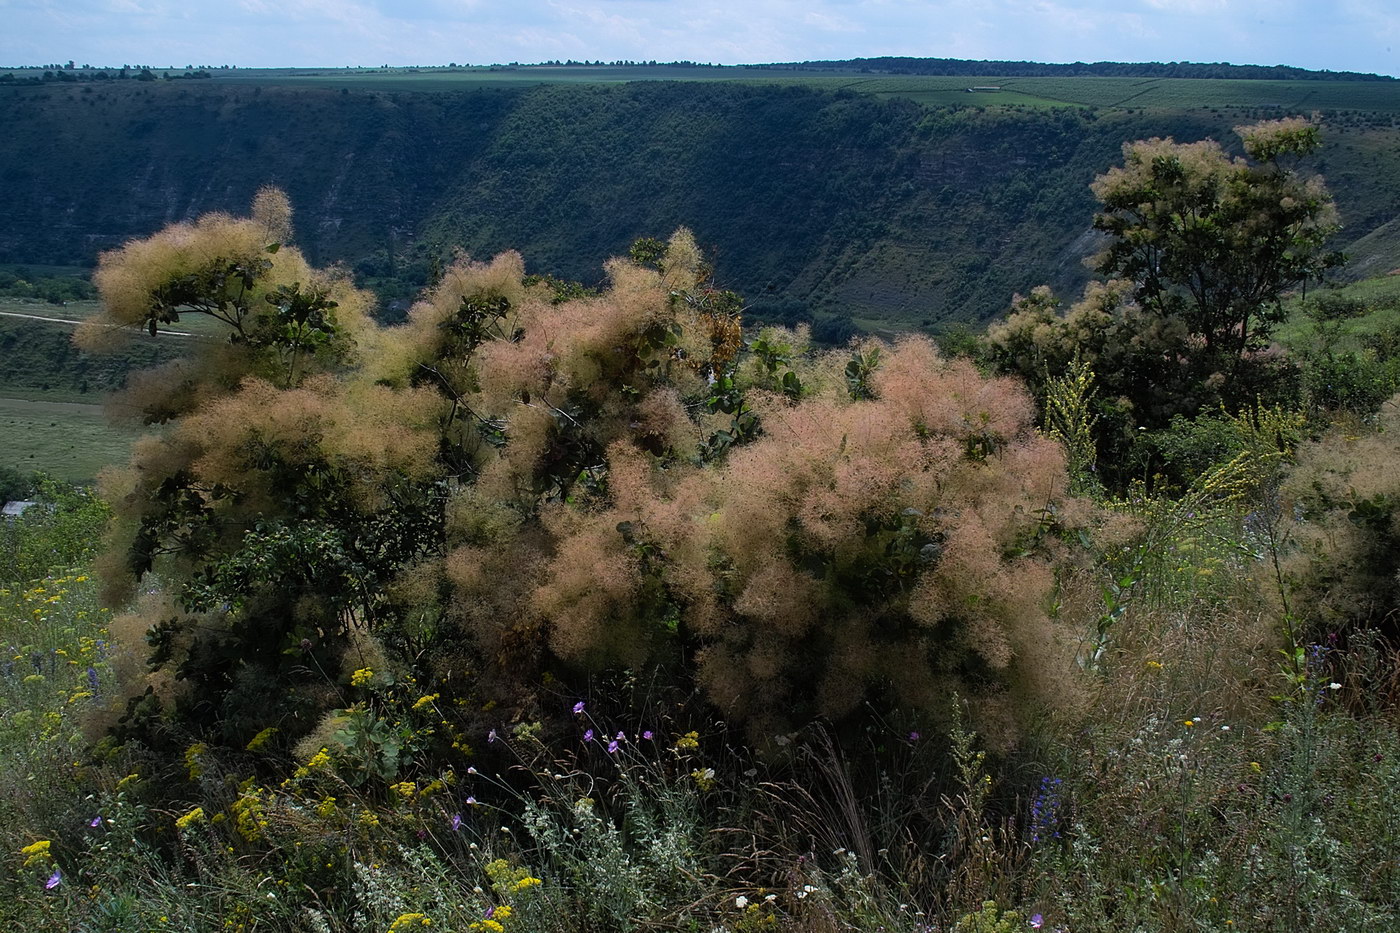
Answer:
[(64, 320)]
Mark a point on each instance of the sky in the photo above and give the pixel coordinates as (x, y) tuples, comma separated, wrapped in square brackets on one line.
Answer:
[(1340, 35)]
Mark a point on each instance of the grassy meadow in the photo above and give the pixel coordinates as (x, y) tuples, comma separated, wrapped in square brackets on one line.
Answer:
[(71, 441)]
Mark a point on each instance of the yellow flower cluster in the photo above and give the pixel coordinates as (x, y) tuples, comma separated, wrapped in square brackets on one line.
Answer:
[(407, 921), (506, 880), (361, 677), (36, 852), (424, 701), (321, 759), (689, 741), (248, 815)]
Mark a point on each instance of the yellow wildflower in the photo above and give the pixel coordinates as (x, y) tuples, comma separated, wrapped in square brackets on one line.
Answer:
[(259, 740), (36, 852), (425, 701), (405, 789), (192, 762), (407, 921), (326, 808), (688, 741), (361, 677)]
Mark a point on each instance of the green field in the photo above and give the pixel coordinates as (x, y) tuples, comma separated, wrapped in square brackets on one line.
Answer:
[(930, 90), (1381, 295), (68, 440), (1379, 97), (1152, 93)]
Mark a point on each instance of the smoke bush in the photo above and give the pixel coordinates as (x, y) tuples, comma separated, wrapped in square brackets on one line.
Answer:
[(518, 484)]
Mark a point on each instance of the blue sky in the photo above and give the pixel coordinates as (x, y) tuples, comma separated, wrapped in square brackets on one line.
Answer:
[(1342, 35)]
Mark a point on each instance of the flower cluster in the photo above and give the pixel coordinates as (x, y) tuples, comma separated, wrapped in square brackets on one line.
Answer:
[(1045, 811)]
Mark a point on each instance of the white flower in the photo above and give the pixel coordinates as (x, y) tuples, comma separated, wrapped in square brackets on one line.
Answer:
[(741, 902), (1334, 686)]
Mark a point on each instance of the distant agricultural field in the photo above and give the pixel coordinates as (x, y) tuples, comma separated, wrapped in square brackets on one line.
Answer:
[(68, 440), (931, 90)]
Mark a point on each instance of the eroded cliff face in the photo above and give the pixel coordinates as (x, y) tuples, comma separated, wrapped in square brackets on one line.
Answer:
[(816, 206)]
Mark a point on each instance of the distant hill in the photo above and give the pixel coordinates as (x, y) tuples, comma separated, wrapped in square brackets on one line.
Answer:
[(896, 202)]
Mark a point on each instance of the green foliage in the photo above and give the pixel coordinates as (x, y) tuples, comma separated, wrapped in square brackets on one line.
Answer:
[(989, 919), (14, 485), (1071, 421), (63, 530), (1203, 254)]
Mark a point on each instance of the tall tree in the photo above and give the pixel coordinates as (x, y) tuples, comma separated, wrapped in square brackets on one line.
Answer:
[(1216, 241)]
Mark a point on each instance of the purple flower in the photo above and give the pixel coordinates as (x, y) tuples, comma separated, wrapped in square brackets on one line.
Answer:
[(1037, 921), (471, 802), (491, 736), (914, 736), (1045, 811), (456, 822), (612, 748), (648, 735), (578, 707), (95, 822), (588, 736), (490, 912), (54, 880), (621, 736)]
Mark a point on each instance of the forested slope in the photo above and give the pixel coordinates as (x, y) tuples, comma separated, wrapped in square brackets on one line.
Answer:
[(817, 205)]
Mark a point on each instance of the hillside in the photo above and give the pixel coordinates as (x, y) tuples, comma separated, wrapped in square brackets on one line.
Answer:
[(824, 198)]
